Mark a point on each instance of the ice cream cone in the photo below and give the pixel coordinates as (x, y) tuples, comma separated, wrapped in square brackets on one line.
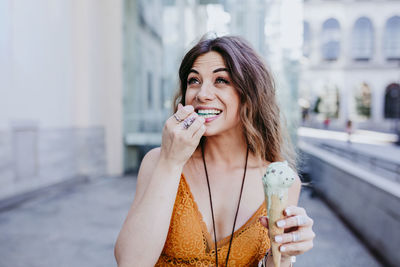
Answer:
[(275, 214), (277, 180)]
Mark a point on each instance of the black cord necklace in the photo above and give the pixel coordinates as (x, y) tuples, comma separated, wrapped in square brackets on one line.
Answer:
[(212, 210)]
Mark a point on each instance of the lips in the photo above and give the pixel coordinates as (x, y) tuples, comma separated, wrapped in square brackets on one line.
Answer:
[(208, 113)]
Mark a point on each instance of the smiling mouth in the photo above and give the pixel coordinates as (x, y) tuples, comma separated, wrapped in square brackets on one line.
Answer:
[(208, 113)]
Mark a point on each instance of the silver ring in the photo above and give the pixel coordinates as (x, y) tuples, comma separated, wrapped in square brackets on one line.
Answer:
[(177, 118), (187, 122), (300, 220), (295, 237)]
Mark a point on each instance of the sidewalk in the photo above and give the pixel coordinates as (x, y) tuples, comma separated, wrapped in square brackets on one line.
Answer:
[(78, 227)]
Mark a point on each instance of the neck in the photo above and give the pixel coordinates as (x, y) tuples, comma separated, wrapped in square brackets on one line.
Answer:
[(225, 150)]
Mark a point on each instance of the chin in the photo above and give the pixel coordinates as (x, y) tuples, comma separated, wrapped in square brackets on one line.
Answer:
[(207, 133), (210, 132)]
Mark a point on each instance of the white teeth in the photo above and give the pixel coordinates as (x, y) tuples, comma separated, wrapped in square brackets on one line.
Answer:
[(208, 116), (205, 112)]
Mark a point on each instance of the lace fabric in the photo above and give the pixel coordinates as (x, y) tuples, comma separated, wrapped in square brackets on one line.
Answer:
[(190, 244)]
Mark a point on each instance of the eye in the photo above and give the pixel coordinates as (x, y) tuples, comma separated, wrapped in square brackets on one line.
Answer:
[(193, 81), (221, 80)]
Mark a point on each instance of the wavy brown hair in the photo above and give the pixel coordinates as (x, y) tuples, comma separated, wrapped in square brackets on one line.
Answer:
[(259, 112)]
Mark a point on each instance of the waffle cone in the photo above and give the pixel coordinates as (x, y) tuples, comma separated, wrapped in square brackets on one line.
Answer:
[(275, 213)]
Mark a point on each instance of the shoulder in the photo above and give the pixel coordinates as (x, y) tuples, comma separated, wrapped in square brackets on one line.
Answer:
[(151, 156), (148, 163), (146, 169)]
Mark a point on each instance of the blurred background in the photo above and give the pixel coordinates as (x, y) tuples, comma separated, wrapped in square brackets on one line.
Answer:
[(86, 85)]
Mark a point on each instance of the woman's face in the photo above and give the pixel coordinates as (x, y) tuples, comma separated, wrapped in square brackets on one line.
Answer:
[(210, 91)]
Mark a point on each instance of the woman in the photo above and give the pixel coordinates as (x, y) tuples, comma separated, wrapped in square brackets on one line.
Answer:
[(204, 182)]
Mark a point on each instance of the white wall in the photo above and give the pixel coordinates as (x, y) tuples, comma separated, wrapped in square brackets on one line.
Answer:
[(37, 69), (61, 67)]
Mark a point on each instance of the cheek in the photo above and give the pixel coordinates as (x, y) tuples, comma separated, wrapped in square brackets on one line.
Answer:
[(188, 97), (234, 105)]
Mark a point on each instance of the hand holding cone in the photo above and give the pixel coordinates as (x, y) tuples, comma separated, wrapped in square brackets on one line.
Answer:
[(277, 179)]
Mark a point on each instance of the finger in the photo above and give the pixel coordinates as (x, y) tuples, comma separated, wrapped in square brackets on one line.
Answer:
[(294, 210), (295, 236), (298, 220), (180, 106), (195, 126), (186, 123), (264, 221), (199, 133), (182, 114), (296, 248)]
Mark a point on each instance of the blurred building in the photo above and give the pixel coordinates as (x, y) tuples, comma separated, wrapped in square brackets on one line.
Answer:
[(143, 98), (248, 20), (86, 86), (156, 35), (283, 23), (61, 92), (351, 63)]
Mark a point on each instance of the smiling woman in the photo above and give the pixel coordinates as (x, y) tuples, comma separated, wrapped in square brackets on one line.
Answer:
[(199, 197), (211, 93), (236, 65)]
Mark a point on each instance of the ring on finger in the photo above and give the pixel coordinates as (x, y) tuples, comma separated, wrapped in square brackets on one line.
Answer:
[(300, 220), (295, 237), (177, 118), (187, 122)]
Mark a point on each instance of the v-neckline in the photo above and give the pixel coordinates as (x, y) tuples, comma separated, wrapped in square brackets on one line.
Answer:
[(222, 242)]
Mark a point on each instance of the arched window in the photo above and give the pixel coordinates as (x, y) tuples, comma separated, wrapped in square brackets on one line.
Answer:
[(330, 39), (392, 101), (306, 39), (392, 38), (363, 101), (362, 39)]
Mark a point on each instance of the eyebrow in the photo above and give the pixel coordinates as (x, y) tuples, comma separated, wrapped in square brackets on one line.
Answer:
[(220, 69), (214, 71)]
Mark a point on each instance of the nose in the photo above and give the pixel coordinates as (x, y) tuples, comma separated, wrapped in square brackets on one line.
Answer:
[(206, 93)]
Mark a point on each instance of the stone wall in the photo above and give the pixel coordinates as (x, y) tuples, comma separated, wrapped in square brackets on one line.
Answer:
[(32, 158)]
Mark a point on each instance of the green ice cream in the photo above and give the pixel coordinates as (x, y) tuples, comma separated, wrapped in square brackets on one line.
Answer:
[(277, 180)]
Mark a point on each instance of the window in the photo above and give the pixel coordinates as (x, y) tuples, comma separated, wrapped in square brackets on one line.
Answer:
[(306, 39), (392, 38), (392, 101), (330, 40), (362, 46), (363, 101)]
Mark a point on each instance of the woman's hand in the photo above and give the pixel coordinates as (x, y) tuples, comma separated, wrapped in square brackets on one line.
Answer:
[(298, 235), (181, 135)]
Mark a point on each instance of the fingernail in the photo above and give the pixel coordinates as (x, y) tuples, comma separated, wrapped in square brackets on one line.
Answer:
[(281, 223), (282, 249), (188, 108), (287, 211), (278, 239)]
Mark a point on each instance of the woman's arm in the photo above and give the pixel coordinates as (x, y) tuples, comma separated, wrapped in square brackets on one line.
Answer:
[(145, 229)]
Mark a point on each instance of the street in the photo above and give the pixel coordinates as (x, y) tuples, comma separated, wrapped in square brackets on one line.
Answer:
[(77, 227)]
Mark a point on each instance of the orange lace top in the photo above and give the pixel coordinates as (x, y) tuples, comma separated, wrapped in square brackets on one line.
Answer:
[(189, 242)]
